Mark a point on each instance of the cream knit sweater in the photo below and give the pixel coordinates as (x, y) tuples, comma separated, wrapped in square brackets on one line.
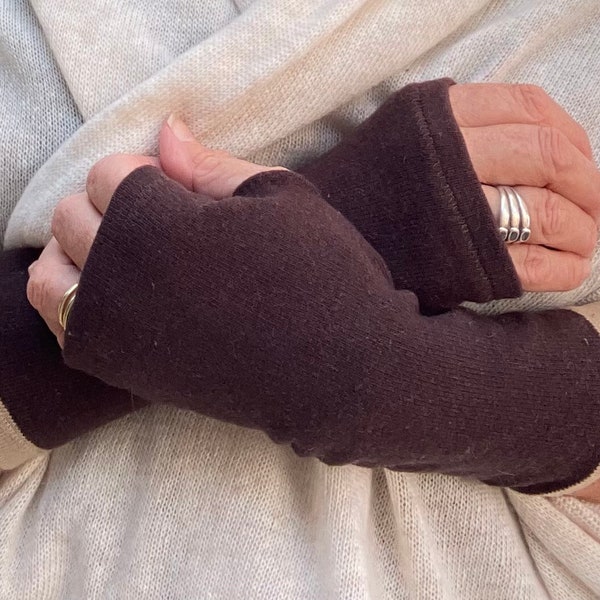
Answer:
[(165, 504)]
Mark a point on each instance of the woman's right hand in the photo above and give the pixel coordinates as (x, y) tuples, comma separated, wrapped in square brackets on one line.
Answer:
[(516, 135)]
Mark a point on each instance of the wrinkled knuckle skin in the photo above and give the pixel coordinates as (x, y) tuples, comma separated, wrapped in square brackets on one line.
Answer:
[(534, 100), (535, 267), (555, 152), (551, 215), (37, 288)]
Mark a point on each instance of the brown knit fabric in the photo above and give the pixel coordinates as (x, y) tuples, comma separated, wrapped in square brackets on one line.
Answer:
[(376, 177), (404, 179), (50, 403), (269, 310)]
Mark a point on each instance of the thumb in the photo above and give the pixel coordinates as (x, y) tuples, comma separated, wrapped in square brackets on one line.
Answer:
[(215, 173)]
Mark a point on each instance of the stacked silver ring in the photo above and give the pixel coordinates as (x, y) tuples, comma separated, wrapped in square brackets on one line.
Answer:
[(515, 222)]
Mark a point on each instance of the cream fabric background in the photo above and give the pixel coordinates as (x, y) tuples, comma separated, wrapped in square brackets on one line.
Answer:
[(165, 503)]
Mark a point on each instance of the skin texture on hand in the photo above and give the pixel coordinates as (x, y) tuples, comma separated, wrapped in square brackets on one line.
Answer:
[(517, 135)]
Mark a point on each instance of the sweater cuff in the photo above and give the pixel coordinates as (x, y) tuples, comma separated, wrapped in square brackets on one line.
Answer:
[(591, 314), (585, 468), (43, 404), (405, 180)]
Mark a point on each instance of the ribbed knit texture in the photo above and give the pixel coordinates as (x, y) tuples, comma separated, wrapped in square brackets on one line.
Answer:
[(169, 504)]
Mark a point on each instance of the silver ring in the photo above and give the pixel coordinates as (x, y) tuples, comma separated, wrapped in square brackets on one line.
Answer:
[(515, 222), (514, 233), (504, 215), (525, 218)]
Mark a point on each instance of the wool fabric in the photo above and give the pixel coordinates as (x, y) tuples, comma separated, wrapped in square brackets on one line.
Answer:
[(164, 504)]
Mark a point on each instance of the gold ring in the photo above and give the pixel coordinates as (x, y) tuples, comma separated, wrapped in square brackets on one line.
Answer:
[(64, 308)]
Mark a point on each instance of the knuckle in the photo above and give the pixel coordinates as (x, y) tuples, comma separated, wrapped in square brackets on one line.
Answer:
[(37, 287), (95, 174), (206, 164), (63, 213), (32, 267), (554, 150), (534, 101), (538, 106), (535, 266), (551, 214), (539, 272)]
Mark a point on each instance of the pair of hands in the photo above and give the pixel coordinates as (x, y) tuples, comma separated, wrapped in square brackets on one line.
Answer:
[(515, 135)]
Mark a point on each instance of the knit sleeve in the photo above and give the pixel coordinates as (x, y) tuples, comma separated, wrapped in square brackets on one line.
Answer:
[(43, 403), (432, 228), (404, 179), (270, 311)]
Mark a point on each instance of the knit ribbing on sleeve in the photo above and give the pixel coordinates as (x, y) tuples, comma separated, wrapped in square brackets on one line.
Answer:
[(269, 310), (405, 180)]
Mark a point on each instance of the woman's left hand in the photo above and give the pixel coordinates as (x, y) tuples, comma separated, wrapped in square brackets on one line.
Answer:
[(77, 218)]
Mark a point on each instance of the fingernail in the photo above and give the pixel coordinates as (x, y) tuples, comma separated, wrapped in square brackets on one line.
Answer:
[(180, 130)]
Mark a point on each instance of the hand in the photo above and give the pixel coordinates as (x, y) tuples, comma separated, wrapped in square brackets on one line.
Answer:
[(517, 135), (77, 218), (505, 128)]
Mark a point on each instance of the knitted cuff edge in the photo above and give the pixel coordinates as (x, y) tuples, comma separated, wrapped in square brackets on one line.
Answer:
[(502, 283), (576, 487), (15, 448), (591, 313)]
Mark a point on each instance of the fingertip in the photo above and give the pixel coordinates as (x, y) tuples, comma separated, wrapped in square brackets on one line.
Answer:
[(173, 157), (179, 128)]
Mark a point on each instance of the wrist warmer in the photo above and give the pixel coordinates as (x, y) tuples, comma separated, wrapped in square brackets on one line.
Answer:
[(270, 311), (43, 403), (405, 181)]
